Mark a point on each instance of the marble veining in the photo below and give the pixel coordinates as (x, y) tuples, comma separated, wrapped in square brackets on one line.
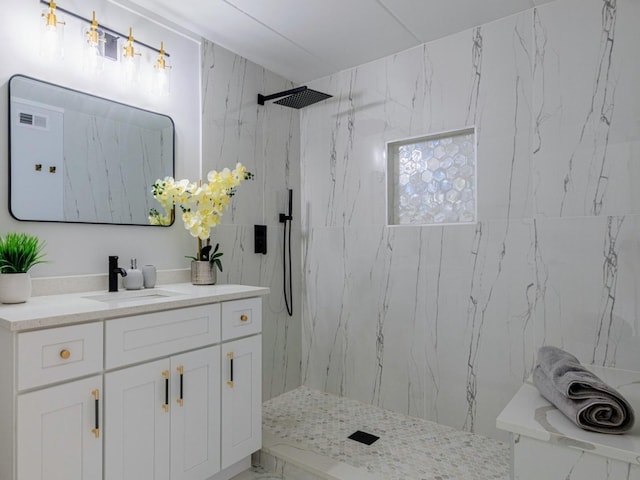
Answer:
[(476, 322), (598, 119), (530, 415), (443, 322), (546, 444), (477, 312), (476, 76), (539, 44), (534, 460), (109, 191), (266, 140), (385, 244), (603, 341)]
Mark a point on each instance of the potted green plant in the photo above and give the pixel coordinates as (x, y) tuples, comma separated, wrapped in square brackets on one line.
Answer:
[(18, 253), (202, 206)]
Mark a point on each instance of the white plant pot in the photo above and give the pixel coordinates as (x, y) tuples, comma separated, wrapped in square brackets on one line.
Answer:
[(15, 287)]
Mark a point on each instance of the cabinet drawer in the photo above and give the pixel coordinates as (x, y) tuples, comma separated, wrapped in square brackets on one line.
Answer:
[(241, 317), (143, 337), (57, 354)]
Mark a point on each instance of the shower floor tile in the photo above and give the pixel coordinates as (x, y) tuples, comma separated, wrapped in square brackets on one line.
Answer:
[(305, 426)]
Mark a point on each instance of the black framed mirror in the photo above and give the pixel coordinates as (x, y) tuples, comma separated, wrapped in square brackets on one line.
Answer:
[(79, 158)]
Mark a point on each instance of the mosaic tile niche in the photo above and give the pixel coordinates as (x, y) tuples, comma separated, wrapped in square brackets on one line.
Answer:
[(432, 179)]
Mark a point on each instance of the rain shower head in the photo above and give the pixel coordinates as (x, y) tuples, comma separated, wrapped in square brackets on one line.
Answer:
[(295, 98)]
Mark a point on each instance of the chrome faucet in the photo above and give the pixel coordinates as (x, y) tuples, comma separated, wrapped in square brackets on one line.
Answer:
[(114, 270)]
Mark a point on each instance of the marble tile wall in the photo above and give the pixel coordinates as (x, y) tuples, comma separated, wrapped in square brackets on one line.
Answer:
[(265, 139), (108, 148), (443, 322)]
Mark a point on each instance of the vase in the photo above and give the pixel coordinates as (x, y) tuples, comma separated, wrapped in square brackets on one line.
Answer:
[(149, 275), (203, 273), (15, 287)]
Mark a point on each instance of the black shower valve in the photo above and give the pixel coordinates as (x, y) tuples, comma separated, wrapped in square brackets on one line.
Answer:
[(260, 239)]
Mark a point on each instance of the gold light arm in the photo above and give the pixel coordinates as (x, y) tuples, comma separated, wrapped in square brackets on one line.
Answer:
[(161, 63), (93, 36), (50, 16), (129, 49)]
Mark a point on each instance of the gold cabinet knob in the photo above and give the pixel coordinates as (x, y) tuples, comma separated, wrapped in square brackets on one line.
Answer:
[(65, 354), (244, 318)]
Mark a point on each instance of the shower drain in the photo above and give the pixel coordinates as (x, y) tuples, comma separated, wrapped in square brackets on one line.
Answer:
[(363, 437)]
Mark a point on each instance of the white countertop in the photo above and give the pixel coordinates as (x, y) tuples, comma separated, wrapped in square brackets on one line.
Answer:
[(531, 415), (67, 309)]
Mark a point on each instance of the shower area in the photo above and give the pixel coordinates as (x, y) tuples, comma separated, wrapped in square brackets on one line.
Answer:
[(311, 435), (442, 322)]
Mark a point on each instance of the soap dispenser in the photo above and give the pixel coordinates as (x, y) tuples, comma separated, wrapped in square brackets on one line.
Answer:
[(134, 279)]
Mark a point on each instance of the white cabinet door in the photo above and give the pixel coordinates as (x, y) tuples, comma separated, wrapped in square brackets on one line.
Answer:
[(56, 432), (241, 399), (195, 414), (137, 413)]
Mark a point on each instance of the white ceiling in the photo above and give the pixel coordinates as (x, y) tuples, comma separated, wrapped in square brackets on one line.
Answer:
[(303, 39)]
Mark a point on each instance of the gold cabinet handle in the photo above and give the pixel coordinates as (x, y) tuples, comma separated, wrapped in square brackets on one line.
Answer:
[(181, 397), (230, 381), (65, 354), (96, 428), (243, 318), (165, 405)]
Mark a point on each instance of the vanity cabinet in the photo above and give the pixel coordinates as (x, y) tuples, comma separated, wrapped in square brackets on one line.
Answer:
[(241, 400), (138, 431), (58, 428), (163, 417), (169, 394), (58, 432), (195, 414)]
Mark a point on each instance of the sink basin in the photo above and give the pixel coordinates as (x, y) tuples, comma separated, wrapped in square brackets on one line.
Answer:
[(132, 296)]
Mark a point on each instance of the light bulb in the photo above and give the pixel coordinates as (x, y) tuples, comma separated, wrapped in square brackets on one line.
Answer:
[(50, 42), (51, 34), (129, 69), (92, 58), (162, 82)]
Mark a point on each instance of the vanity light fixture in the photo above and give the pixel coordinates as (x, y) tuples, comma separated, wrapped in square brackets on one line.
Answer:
[(51, 33), (100, 42), (130, 60), (162, 77), (93, 51)]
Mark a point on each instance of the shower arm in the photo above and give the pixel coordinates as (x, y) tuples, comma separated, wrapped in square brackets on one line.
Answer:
[(263, 98)]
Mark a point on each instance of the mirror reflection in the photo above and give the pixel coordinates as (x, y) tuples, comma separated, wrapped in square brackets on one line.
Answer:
[(79, 158)]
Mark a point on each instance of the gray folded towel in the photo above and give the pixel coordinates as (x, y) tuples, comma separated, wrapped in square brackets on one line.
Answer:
[(579, 394)]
